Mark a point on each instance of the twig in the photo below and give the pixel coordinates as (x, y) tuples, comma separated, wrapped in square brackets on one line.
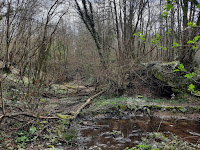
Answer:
[(141, 77), (140, 58), (28, 115), (160, 125), (2, 101)]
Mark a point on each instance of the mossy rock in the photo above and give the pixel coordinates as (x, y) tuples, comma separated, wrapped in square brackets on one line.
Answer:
[(178, 83)]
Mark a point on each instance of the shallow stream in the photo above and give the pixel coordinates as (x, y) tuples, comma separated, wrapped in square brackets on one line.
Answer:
[(115, 134)]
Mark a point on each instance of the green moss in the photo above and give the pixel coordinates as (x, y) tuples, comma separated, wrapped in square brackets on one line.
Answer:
[(196, 109), (68, 137), (160, 76), (169, 107), (157, 106), (181, 109), (64, 116), (123, 107), (140, 96)]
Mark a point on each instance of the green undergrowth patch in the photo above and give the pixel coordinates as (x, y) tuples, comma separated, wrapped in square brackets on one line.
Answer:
[(123, 105), (46, 134), (105, 101), (163, 100), (163, 141)]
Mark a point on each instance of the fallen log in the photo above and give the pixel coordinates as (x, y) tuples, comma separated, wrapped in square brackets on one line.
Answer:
[(86, 103), (26, 114)]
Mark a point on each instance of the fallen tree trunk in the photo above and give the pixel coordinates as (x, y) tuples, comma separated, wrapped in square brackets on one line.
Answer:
[(86, 103)]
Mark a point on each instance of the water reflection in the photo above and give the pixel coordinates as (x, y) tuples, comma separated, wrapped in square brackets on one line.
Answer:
[(129, 132)]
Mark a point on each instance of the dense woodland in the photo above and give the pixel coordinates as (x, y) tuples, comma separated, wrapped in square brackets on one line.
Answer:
[(98, 43), (50, 40)]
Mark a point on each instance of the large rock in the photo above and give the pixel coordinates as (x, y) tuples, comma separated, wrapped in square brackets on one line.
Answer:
[(161, 79), (174, 80)]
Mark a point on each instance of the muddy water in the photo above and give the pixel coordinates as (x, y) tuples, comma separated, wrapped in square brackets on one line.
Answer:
[(114, 134)]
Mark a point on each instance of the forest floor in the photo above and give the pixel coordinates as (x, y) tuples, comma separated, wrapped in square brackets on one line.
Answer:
[(68, 103), (60, 101)]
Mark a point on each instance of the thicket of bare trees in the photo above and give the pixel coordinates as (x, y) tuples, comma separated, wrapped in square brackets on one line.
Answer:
[(46, 40), (163, 27), (28, 28)]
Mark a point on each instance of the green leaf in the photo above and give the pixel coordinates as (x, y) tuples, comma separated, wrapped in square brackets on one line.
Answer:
[(32, 130), (191, 87), (176, 70), (175, 45), (158, 35), (191, 24), (194, 47), (164, 14), (198, 92), (181, 67), (198, 6), (189, 76), (169, 32), (190, 42), (196, 38), (169, 7), (165, 48)]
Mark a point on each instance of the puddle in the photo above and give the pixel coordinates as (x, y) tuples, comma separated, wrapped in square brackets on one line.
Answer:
[(114, 134)]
